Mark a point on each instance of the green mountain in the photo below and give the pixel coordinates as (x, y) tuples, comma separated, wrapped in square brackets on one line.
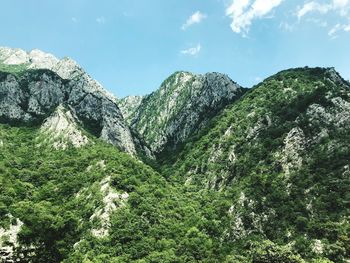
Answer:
[(282, 155), (238, 175), (183, 104)]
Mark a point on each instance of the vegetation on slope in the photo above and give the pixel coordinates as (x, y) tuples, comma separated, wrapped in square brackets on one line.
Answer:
[(56, 193), (267, 181), (282, 154), (14, 69)]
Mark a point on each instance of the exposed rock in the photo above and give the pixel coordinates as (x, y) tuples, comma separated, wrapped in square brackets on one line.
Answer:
[(8, 240), (111, 201), (11, 99), (215, 153), (36, 94), (181, 107), (129, 105), (261, 124), (232, 155), (41, 60), (334, 76), (294, 146), (318, 247), (239, 215), (13, 56), (67, 68), (62, 129), (337, 116)]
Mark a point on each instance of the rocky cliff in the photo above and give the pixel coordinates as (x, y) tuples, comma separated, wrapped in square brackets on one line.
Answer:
[(183, 105), (129, 105), (34, 84)]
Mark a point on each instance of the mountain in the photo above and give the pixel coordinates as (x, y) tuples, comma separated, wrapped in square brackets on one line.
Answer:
[(242, 175), (183, 104), (292, 113), (282, 155), (54, 202), (34, 84)]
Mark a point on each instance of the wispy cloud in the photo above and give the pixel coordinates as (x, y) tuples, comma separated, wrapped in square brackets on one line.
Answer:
[(286, 26), (101, 20), (243, 12), (258, 79), (313, 7), (195, 18), (192, 51), (338, 27), (340, 6)]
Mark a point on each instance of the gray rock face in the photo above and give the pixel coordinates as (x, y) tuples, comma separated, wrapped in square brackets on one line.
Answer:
[(29, 97), (183, 104), (61, 129), (129, 105), (49, 82)]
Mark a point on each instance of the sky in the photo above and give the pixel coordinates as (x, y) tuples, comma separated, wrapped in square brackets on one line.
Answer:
[(131, 46)]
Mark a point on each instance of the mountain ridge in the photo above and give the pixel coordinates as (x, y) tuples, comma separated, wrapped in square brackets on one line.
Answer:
[(241, 175), (183, 103), (80, 85)]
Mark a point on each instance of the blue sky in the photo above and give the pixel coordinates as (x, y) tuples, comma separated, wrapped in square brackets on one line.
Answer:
[(131, 46)]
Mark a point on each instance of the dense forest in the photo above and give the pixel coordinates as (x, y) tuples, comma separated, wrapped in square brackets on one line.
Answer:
[(266, 180)]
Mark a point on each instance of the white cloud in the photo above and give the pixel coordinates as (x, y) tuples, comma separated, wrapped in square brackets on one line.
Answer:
[(192, 51), (338, 27), (243, 12), (101, 20), (313, 7), (195, 18), (333, 7), (334, 30), (340, 6)]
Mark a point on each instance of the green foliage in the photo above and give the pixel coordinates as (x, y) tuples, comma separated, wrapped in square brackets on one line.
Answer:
[(14, 69), (268, 252), (241, 152), (55, 193), (224, 197)]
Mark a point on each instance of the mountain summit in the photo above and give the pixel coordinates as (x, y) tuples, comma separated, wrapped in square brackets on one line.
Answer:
[(183, 105), (34, 84)]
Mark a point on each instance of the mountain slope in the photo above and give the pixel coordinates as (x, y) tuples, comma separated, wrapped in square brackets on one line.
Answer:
[(30, 94), (253, 176), (95, 203), (282, 153), (51, 200), (180, 107)]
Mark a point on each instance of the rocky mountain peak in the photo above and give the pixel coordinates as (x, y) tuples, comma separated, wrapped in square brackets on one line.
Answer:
[(39, 59), (335, 76), (184, 103), (35, 94), (35, 58)]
